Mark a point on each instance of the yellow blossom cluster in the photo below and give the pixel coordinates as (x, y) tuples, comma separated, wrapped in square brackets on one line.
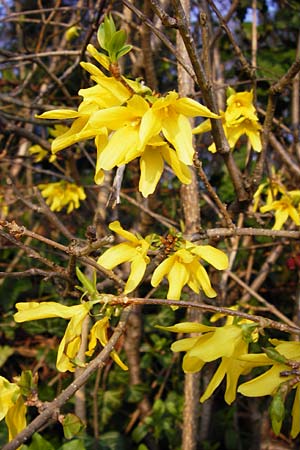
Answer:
[(238, 119), (182, 266), (127, 121), (276, 197), (230, 343), (61, 194), (70, 343)]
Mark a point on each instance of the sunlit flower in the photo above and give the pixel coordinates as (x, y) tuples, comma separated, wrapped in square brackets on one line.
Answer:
[(12, 407), (284, 208), (227, 342), (240, 106), (183, 267), (61, 194), (269, 382), (70, 344), (72, 33), (134, 251), (271, 188), (170, 114), (99, 333), (239, 118)]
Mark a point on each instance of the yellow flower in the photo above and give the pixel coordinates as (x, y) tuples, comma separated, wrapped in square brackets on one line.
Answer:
[(183, 267), (12, 407), (227, 342), (269, 382), (284, 208), (133, 251), (70, 344), (72, 33), (99, 333), (238, 119), (61, 194), (240, 105), (170, 115)]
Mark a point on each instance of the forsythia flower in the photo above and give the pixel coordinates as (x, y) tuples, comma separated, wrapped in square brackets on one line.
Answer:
[(12, 407), (61, 194), (183, 267), (126, 126), (284, 208), (134, 250), (40, 153), (227, 342), (238, 119), (271, 380), (70, 344)]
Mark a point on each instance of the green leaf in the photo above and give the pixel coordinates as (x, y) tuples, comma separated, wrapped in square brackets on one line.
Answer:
[(89, 285), (273, 354), (125, 49), (26, 383), (117, 41), (76, 444), (277, 411), (72, 425), (105, 32), (38, 443)]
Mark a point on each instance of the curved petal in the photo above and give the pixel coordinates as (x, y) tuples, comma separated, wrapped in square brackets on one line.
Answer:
[(117, 255), (16, 419), (191, 364), (44, 310), (152, 166), (216, 379), (59, 114), (8, 393), (191, 108), (217, 258), (265, 384), (137, 271), (150, 126), (112, 118), (117, 228), (188, 327), (203, 127), (181, 170), (177, 277), (281, 217), (177, 130), (74, 134), (221, 343), (122, 142), (162, 270), (204, 281)]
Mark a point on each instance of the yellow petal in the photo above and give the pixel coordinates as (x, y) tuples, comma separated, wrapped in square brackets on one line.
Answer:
[(183, 345), (217, 258), (204, 281), (150, 126), (296, 414), (16, 419), (265, 384), (152, 166), (137, 271), (191, 364), (177, 130), (117, 228), (191, 108), (100, 57), (216, 380), (8, 393), (177, 277), (162, 270), (35, 311), (188, 327), (124, 142), (281, 217), (98, 332), (203, 127), (59, 114), (112, 118), (116, 255), (181, 170)]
